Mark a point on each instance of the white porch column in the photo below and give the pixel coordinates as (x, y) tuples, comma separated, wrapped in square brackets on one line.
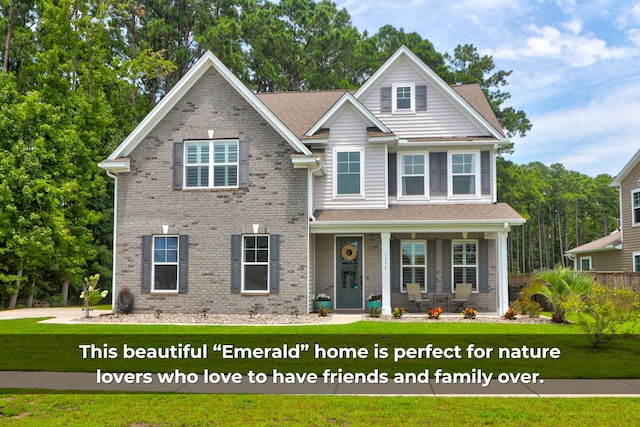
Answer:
[(502, 272), (386, 273)]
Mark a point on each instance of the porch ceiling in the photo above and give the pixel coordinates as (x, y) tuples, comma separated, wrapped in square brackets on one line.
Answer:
[(419, 218)]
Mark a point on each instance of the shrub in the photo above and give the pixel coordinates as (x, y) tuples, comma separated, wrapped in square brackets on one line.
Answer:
[(511, 314), (469, 313), (434, 313), (527, 307), (375, 312), (323, 311), (398, 312), (559, 286), (606, 314)]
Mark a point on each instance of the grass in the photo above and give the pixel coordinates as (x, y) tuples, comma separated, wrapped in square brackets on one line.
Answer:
[(85, 409)]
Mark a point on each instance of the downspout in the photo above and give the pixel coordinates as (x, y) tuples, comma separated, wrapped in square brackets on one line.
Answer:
[(115, 225), (310, 191)]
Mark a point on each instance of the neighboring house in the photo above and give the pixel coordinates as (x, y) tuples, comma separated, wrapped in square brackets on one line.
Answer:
[(619, 251), (232, 202)]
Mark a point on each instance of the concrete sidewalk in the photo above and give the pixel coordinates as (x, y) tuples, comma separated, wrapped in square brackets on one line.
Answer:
[(88, 382)]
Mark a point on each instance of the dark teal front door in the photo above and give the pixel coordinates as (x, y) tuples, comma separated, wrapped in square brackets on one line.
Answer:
[(349, 282)]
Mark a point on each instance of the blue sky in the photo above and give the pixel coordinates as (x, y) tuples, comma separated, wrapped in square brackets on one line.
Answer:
[(576, 67)]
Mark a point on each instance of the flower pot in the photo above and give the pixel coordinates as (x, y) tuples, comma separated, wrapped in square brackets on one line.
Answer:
[(326, 304), (374, 304)]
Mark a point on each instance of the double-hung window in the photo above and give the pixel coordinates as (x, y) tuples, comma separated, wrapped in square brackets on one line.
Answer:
[(636, 262), (165, 264), (464, 177), (349, 172), (635, 206), (414, 263), (211, 164), (413, 175), (404, 98), (585, 263), (255, 263), (465, 262)]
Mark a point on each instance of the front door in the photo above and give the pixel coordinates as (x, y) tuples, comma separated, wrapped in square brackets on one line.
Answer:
[(349, 283)]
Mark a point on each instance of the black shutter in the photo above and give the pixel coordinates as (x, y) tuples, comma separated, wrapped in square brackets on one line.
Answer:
[(274, 263), (236, 263), (146, 265), (431, 266), (421, 98), (396, 267), (393, 174), (385, 99), (438, 174), (177, 165), (446, 266), (483, 267), (485, 172), (183, 264), (243, 163)]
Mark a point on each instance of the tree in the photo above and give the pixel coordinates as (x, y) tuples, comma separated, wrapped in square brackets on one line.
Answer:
[(467, 66), (558, 287)]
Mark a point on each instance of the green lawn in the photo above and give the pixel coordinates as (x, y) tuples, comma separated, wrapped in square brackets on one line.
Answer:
[(617, 360)]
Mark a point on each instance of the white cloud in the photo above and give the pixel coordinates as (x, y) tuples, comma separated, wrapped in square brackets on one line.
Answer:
[(570, 47)]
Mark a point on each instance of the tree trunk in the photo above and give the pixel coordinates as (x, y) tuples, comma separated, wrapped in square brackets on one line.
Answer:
[(32, 293), (7, 42), (65, 290), (14, 296)]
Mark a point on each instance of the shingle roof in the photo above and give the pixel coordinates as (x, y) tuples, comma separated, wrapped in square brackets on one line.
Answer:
[(421, 213), (299, 111), (606, 243)]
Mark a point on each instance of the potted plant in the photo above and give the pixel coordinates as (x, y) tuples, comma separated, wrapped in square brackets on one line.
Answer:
[(323, 300), (374, 300)]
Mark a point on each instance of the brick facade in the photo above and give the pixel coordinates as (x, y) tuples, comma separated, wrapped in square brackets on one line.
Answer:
[(275, 199)]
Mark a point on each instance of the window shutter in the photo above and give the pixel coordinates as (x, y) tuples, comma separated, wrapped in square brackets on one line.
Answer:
[(438, 174), (236, 263), (274, 263), (446, 266), (396, 266), (385, 99), (183, 264), (243, 163), (146, 264), (421, 98), (485, 172), (483, 267), (177, 165), (393, 174), (431, 266)]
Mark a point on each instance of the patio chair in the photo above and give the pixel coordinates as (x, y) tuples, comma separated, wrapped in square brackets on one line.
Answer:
[(414, 293), (463, 292)]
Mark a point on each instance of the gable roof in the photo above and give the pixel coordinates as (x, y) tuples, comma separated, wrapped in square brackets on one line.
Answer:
[(299, 111), (617, 181), (208, 60), (607, 243), (469, 108), (346, 99)]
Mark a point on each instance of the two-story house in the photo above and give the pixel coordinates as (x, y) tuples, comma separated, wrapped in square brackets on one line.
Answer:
[(230, 201), (619, 251)]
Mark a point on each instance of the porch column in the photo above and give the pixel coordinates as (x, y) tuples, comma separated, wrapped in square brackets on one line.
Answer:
[(502, 272), (386, 273)]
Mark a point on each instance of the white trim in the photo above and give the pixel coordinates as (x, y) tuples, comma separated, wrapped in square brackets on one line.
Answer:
[(476, 265), (409, 226), (211, 165), (402, 265), (154, 263), (436, 83), (243, 263), (631, 164), (394, 99), (633, 259), (335, 272), (165, 105), (633, 217), (400, 173), (334, 111), (477, 173), (334, 173), (585, 258)]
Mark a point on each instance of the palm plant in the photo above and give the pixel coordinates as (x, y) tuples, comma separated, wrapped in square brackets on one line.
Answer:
[(558, 286)]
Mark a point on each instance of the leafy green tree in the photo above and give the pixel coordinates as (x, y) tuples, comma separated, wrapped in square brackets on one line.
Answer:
[(558, 287)]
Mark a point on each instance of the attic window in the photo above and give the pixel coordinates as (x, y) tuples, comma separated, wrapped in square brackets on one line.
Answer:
[(404, 98)]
